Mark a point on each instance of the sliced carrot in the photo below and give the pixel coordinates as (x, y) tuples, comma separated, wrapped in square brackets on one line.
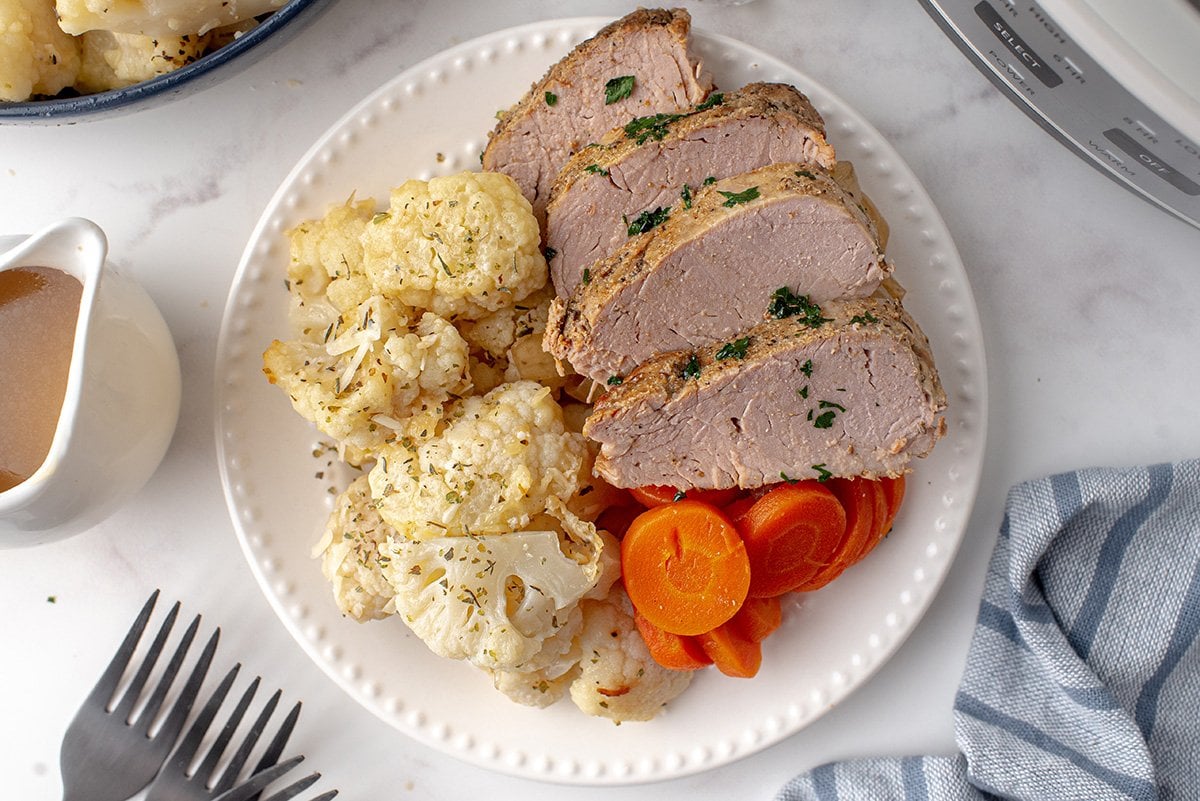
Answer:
[(655, 495), (672, 651), (757, 619), (791, 533), (685, 567), (864, 502), (733, 654)]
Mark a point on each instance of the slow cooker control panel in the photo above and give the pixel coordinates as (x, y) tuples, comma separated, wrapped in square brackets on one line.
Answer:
[(1021, 49)]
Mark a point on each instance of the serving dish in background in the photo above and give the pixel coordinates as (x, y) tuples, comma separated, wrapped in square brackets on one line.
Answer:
[(279, 480), (275, 29)]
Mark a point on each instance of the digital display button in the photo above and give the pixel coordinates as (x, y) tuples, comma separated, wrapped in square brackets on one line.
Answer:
[(1025, 55), (1152, 162)]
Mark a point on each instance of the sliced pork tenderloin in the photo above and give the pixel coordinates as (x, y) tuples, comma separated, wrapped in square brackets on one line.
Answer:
[(711, 269), (848, 389), (636, 66), (636, 173)]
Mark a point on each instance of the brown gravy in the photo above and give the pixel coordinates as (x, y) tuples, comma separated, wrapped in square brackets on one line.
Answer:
[(39, 307)]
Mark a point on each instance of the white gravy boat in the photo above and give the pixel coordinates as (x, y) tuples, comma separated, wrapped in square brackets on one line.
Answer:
[(122, 393)]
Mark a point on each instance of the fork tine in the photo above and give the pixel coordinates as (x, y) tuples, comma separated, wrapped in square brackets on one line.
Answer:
[(168, 676), (326, 796), (191, 741), (209, 765), (183, 704), (295, 788), (243, 753), (256, 783), (124, 708), (103, 692), (279, 742)]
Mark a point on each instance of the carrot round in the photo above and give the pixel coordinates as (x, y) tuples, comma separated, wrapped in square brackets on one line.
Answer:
[(733, 654), (791, 533), (757, 619), (685, 567), (657, 495), (864, 504), (672, 651)]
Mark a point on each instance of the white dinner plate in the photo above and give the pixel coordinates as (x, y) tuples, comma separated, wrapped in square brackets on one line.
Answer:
[(433, 120)]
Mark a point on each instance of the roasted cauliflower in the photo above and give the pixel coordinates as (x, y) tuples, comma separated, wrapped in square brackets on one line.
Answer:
[(462, 245), (619, 680), (352, 555), (499, 462)]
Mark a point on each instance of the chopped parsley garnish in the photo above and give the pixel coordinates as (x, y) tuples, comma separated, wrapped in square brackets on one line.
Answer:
[(824, 420), (784, 476), (823, 475), (596, 169), (686, 194), (737, 198), (587, 275), (805, 174), (443, 262), (710, 180), (803, 392), (715, 99), (549, 253), (551, 98), (786, 303), (691, 368), (647, 220), (864, 318), (614, 380), (679, 496), (807, 368), (618, 89), (640, 129), (51, 599), (734, 350), (831, 405)]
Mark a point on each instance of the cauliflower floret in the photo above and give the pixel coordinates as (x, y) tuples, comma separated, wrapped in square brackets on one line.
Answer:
[(494, 600), (36, 57), (113, 60), (496, 465), (158, 17), (619, 679), (544, 679), (351, 555), (378, 381), (329, 248), (461, 245)]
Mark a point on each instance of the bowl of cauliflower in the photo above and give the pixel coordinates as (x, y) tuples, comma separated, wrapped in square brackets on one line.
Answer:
[(64, 60)]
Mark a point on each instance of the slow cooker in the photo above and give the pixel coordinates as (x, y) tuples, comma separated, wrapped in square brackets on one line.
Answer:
[(1117, 81)]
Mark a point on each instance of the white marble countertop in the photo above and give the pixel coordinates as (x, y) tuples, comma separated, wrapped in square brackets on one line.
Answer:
[(1087, 295)]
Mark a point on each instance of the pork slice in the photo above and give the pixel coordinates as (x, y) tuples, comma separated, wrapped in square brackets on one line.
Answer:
[(711, 269), (851, 391), (644, 165), (568, 107)]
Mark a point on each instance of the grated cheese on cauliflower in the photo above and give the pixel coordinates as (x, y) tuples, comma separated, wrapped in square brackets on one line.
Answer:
[(378, 381), (619, 680), (352, 558), (496, 465), (461, 245)]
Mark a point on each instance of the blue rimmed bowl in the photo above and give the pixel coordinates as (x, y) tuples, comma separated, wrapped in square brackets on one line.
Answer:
[(218, 65)]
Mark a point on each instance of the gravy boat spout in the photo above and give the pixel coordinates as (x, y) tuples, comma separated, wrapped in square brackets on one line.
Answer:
[(121, 400)]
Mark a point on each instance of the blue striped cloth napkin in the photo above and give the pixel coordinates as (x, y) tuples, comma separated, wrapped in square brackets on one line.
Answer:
[(1083, 676)]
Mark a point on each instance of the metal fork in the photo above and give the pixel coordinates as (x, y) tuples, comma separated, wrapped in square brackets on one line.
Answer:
[(107, 755), (260, 780), (176, 783)]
